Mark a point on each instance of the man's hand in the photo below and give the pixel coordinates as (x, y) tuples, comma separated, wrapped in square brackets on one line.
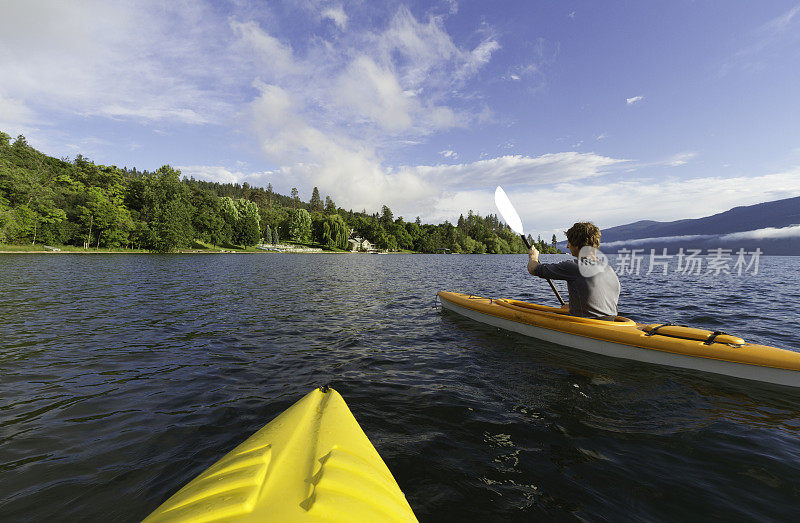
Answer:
[(533, 259)]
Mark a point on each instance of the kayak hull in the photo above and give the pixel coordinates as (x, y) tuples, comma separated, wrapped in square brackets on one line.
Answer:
[(593, 342), (312, 463)]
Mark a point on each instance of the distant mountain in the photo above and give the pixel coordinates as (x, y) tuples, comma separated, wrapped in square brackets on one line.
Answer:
[(772, 226), (778, 214)]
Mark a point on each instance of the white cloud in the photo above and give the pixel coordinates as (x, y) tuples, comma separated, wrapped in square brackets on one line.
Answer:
[(518, 170), (449, 154), (626, 201), (453, 4), (633, 100), (541, 55), (659, 239), (680, 159), (781, 23), (221, 174), (425, 55), (14, 115), (768, 233), (479, 57), (345, 168), (337, 15), (326, 120), (274, 58), (120, 60), (373, 94), (321, 110), (779, 31)]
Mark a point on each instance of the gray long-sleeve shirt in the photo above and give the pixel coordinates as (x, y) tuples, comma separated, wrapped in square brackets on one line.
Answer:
[(592, 297)]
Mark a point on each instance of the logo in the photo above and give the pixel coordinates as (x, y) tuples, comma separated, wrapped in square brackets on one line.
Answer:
[(591, 261)]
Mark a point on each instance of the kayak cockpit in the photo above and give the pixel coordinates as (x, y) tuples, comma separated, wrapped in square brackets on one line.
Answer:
[(562, 314)]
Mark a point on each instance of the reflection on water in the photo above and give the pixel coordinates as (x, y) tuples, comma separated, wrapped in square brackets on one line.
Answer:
[(123, 376)]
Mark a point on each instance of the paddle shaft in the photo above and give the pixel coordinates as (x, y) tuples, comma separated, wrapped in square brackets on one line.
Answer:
[(524, 239)]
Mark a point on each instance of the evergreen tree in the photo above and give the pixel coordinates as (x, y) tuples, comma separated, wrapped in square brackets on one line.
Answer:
[(250, 233), (295, 198), (387, 218), (267, 234), (330, 207), (316, 202)]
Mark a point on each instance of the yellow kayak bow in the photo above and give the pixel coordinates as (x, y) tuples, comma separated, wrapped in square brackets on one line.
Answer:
[(311, 463)]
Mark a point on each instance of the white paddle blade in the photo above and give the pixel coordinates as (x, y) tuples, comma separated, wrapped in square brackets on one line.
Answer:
[(507, 210)]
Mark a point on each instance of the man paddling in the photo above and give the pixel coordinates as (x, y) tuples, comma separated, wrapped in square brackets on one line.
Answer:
[(593, 293)]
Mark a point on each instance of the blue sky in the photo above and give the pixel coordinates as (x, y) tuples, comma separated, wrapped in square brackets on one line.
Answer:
[(611, 112)]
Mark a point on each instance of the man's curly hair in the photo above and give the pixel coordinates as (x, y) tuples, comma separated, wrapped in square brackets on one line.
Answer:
[(584, 233)]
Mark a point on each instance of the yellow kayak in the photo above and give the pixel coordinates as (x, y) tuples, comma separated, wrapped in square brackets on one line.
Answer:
[(311, 463), (663, 344)]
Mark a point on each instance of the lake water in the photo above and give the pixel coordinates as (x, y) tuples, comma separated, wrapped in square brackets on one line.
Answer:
[(124, 376)]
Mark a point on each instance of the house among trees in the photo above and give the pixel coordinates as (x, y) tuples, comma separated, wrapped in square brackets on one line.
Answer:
[(357, 243)]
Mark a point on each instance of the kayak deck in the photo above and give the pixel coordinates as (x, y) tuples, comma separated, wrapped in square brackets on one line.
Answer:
[(311, 463), (623, 338)]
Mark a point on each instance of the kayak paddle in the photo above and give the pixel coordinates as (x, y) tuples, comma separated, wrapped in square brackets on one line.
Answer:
[(509, 214)]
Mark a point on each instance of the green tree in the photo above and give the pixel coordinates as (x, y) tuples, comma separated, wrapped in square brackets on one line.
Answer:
[(299, 225), (387, 218), (295, 198), (28, 190), (330, 207), (230, 218), (316, 202), (497, 245), (404, 240), (248, 228), (339, 231), (267, 234), (171, 227), (249, 232), (162, 203), (327, 240), (104, 215), (207, 217)]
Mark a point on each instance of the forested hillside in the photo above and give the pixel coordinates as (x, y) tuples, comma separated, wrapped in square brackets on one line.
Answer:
[(77, 202)]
